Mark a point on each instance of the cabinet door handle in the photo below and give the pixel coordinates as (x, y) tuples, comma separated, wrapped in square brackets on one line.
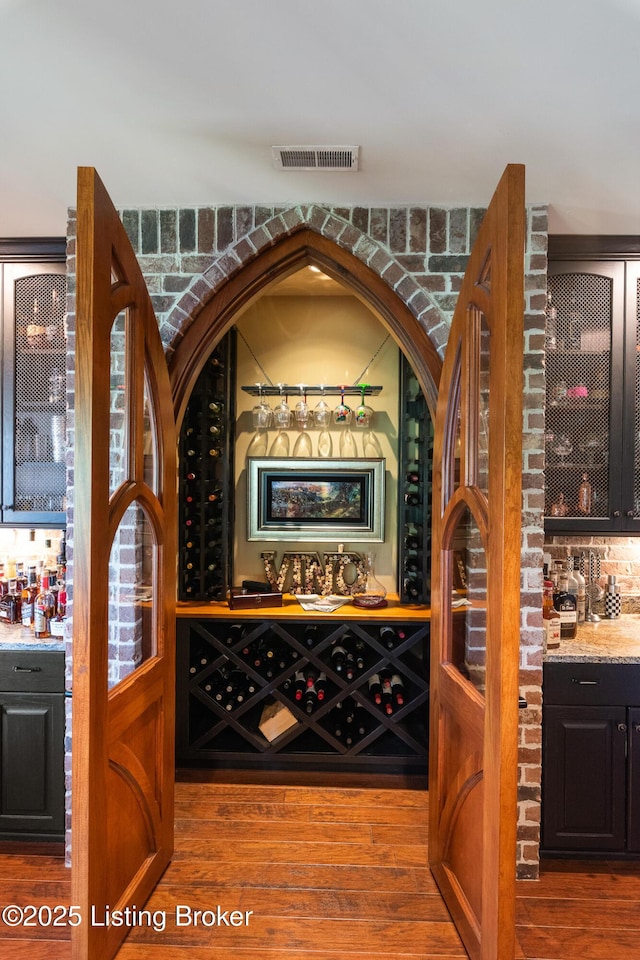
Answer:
[(622, 727), (27, 669), (637, 728), (617, 513), (585, 683)]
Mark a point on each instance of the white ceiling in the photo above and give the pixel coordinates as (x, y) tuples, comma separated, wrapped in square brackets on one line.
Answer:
[(179, 103)]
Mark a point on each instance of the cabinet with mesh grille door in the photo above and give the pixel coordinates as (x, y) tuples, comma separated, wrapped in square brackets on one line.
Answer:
[(34, 390), (592, 420)]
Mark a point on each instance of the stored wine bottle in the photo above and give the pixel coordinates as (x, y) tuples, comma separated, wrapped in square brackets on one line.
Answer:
[(300, 685), (321, 686), (386, 695), (216, 406), (338, 658), (412, 499), (412, 477), (388, 637), (375, 688), (310, 635), (397, 689), (310, 698), (234, 633), (337, 718)]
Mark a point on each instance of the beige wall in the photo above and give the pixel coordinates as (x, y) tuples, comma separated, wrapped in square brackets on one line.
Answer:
[(317, 340)]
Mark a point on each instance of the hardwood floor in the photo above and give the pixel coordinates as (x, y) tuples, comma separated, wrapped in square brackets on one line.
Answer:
[(329, 873)]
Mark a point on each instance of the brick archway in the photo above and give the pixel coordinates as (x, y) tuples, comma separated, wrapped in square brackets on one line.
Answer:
[(281, 246)]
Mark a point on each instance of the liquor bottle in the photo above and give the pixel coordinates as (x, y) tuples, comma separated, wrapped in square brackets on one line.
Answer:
[(550, 617), (43, 610), (375, 688), (582, 590), (566, 604), (397, 689), (29, 594), (585, 496)]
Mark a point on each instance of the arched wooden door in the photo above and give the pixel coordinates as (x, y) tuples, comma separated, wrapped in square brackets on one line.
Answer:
[(124, 584), (476, 586)]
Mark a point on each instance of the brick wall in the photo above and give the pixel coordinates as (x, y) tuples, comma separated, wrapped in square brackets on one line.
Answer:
[(421, 253)]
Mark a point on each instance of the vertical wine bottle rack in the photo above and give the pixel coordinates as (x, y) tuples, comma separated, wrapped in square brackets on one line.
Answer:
[(414, 490), (206, 480)]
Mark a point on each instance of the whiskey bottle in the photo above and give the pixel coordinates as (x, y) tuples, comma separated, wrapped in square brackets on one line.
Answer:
[(43, 610), (567, 606), (550, 617)]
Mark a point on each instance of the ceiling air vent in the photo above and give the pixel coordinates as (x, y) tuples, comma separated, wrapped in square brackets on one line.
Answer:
[(315, 158)]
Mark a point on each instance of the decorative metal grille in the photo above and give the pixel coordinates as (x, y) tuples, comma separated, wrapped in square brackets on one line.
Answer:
[(578, 361), (40, 392)]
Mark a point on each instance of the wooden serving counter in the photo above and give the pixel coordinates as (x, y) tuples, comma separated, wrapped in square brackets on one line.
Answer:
[(291, 610)]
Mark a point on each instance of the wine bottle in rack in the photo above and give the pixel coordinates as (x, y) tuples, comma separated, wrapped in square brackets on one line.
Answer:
[(234, 633), (337, 720), (321, 686), (310, 635), (386, 694), (299, 685), (338, 658), (412, 499), (413, 477), (397, 689), (310, 698), (375, 688)]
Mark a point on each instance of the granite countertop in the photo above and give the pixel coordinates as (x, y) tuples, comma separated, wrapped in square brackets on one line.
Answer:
[(13, 636), (608, 641)]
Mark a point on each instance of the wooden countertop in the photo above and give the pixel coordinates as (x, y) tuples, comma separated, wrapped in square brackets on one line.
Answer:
[(608, 641), (291, 610)]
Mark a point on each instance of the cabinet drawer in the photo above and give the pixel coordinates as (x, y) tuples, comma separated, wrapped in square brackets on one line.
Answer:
[(592, 684), (32, 671)]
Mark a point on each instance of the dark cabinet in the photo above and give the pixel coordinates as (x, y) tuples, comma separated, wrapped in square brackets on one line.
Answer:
[(31, 745), (591, 759), (33, 384), (230, 670), (592, 425)]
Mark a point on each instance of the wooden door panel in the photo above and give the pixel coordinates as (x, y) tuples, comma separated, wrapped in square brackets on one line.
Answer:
[(476, 584), (124, 582)]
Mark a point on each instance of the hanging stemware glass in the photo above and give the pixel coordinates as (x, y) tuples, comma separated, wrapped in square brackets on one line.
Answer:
[(342, 413), (302, 411), (261, 412), (322, 411), (282, 412), (364, 413)]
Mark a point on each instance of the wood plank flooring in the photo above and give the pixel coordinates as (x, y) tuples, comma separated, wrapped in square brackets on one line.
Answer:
[(328, 873)]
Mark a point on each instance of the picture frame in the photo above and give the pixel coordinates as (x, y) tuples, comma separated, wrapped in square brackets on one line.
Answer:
[(305, 500)]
